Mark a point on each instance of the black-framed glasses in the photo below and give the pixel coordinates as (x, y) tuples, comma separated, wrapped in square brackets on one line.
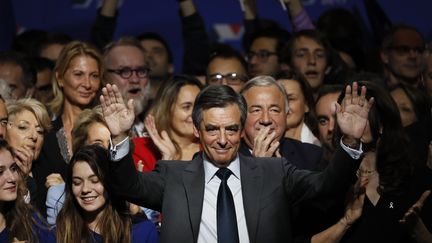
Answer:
[(127, 72), (261, 55), (404, 49), (230, 78)]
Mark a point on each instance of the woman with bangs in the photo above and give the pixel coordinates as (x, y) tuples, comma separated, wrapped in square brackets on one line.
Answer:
[(18, 222), (91, 211), (77, 81)]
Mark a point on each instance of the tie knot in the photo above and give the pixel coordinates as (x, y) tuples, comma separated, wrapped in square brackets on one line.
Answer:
[(223, 174)]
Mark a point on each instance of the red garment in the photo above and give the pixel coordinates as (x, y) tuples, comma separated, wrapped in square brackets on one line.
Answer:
[(145, 150)]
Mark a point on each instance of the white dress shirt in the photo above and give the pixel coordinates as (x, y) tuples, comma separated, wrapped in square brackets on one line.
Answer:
[(208, 225)]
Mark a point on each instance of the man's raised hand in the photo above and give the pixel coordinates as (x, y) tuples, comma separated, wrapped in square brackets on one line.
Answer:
[(352, 114), (118, 116)]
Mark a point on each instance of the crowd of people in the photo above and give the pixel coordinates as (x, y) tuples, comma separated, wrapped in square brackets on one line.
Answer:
[(310, 136)]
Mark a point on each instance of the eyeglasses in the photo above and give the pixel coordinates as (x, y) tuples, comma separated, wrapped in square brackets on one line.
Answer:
[(261, 55), (230, 78), (365, 173), (127, 72), (403, 50)]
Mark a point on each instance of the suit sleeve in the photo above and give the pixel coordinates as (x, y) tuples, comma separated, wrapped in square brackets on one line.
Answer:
[(144, 189), (303, 185)]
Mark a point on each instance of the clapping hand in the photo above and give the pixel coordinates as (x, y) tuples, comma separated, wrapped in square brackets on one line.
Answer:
[(265, 144), (118, 116), (354, 207), (53, 179), (162, 141), (411, 216)]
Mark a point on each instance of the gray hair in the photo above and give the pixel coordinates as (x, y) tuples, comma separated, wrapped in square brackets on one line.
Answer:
[(5, 91), (266, 81)]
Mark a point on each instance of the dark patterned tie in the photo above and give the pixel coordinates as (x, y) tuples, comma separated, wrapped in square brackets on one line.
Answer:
[(227, 231)]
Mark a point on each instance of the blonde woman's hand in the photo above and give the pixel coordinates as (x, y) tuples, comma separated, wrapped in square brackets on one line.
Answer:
[(24, 159)]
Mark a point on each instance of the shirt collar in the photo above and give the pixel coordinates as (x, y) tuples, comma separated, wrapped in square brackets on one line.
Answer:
[(210, 169)]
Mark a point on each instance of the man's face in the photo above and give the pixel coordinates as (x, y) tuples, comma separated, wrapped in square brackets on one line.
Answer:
[(262, 57), (266, 108), (220, 133), (3, 119), (134, 87), (221, 67), (310, 59), (157, 57), (43, 91), (326, 120), (13, 75), (401, 57)]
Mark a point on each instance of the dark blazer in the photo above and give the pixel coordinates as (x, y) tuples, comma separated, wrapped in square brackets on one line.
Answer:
[(269, 186), (50, 161), (303, 155)]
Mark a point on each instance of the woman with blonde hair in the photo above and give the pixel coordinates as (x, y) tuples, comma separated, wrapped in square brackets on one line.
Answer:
[(28, 122), (77, 81)]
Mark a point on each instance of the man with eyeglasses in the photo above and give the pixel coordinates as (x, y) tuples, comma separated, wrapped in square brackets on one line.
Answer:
[(127, 67), (227, 67), (402, 55), (262, 56)]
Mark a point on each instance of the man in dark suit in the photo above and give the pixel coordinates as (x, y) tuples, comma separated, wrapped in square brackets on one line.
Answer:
[(266, 125), (262, 189)]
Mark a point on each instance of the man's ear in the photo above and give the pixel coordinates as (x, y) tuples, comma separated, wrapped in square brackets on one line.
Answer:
[(196, 132), (242, 133)]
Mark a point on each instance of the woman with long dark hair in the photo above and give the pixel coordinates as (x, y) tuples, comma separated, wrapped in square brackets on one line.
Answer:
[(91, 211), (18, 222)]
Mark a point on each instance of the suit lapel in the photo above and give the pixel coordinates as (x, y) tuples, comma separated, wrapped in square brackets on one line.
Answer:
[(193, 181), (244, 149), (251, 182)]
